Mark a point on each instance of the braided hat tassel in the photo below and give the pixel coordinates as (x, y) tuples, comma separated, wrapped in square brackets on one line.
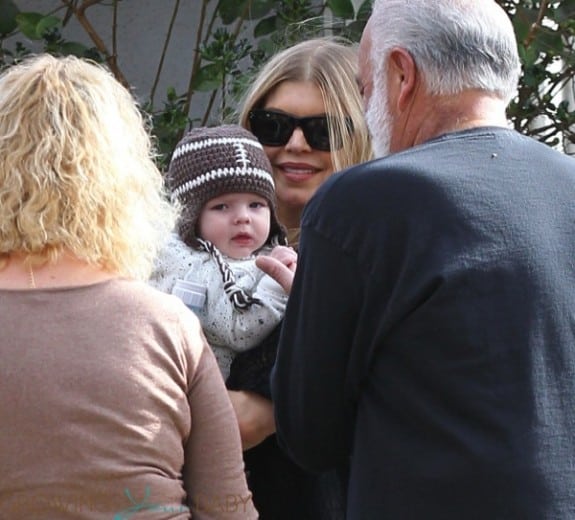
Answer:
[(240, 299)]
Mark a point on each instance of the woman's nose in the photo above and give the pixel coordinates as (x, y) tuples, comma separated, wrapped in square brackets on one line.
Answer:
[(297, 142)]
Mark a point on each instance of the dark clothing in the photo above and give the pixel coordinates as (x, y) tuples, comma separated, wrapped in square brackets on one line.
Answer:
[(281, 489), (250, 370), (430, 332)]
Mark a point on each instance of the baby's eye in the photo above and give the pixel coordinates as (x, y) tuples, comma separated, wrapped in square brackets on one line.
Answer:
[(258, 205), (219, 207)]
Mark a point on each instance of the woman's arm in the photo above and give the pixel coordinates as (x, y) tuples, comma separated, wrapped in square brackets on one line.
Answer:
[(255, 416), (213, 472), (255, 413)]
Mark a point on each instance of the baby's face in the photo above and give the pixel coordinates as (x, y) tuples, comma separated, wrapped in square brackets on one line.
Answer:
[(236, 223)]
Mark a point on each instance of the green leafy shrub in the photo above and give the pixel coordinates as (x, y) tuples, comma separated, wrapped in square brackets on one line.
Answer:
[(236, 36)]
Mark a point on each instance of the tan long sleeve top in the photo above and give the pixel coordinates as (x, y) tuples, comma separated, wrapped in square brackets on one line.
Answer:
[(112, 406)]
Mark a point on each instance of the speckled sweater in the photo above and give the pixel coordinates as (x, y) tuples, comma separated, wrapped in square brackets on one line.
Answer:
[(227, 329)]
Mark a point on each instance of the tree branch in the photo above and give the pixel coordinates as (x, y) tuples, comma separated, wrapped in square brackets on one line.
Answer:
[(197, 57), (537, 24), (164, 51), (80, 14), (115, 30)]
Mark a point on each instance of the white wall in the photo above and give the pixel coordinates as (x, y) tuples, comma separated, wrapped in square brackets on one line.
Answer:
[(142, 26)]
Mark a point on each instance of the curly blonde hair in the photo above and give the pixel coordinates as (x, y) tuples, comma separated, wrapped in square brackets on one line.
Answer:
[(330, 63), (77, 170)]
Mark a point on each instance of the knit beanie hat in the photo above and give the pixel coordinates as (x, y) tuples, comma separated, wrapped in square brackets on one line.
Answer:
[(211, 161)]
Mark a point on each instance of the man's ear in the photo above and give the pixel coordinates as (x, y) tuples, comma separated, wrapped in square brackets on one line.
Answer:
[(403, 76)]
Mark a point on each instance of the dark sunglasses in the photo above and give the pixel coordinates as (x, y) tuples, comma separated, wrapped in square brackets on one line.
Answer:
[(276, 128)]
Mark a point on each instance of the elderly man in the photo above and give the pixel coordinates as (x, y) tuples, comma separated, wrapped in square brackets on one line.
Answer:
[(429, 339)]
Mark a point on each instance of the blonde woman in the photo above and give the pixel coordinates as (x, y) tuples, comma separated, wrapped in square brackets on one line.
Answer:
[(111, 400), (305, 108)]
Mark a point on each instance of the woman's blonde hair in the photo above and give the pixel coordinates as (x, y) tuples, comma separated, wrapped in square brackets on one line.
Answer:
[(331, 64), (77, 170)]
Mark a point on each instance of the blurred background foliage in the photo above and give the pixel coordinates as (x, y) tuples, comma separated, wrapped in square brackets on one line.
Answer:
[(235, 37)]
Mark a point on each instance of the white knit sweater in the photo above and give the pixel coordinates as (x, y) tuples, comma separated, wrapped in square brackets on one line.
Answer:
[(227, 329)]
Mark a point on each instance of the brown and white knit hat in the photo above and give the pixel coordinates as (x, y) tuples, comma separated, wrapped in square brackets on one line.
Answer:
[(211, 161)]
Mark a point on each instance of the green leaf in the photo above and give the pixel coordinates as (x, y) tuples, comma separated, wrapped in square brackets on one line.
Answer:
[(364, 11), (208, 78), (171, 93), (34, 25), (74, 49), (354, 30), (547, 40), (565, 11), (523, 20), (267, 47), (45, 24), (341, 8), (260, 8), (27, 23), (529, 56), (230, 10), (8, 13), (265, 26)]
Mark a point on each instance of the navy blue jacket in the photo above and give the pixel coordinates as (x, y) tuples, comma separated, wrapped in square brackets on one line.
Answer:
[(430, 332)]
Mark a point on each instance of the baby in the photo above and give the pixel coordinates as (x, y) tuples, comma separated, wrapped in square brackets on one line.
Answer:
[(222, 179)]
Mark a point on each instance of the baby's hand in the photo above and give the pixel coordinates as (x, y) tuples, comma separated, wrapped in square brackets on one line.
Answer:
[(280, 264), (286, 255)]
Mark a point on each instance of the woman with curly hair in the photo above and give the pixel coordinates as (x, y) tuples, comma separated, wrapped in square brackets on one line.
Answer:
[(112, 402)]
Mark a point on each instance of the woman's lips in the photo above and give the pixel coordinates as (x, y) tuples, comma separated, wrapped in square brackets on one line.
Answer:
[(297, 172)]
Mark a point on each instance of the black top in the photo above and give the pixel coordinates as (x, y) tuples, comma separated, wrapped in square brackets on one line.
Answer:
[(430, 332)]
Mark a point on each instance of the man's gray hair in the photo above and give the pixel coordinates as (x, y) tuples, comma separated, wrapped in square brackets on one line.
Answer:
[(457, 45)]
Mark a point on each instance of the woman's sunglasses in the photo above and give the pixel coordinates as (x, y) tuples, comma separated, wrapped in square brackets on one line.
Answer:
[(276, 128)]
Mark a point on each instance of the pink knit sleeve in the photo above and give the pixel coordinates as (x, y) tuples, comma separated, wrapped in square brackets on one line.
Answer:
[(214, 470)]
